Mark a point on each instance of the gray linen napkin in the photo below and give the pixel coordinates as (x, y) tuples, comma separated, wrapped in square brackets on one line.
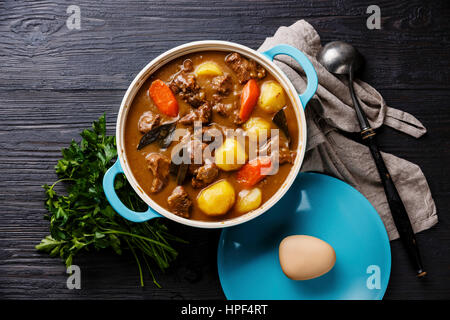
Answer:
[(330, 152)]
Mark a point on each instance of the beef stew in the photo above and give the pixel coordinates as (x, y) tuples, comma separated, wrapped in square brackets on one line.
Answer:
[(222, 91)]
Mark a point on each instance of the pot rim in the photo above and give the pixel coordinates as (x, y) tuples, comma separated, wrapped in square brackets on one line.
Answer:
[(211, 45)]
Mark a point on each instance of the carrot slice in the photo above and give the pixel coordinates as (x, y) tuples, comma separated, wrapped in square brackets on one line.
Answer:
[(252, 172), (249, 97), (163, 98)]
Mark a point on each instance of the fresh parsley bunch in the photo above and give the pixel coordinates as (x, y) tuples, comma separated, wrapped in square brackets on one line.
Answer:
[(84, 220)]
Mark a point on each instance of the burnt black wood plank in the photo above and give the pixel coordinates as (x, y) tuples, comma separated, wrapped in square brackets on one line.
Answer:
[(117, 38)]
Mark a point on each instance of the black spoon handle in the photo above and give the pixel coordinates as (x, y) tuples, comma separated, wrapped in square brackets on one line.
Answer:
[(396, 205), (362, 119)]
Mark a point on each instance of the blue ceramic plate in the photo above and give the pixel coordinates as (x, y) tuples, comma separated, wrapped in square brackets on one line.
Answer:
[(323, 207)]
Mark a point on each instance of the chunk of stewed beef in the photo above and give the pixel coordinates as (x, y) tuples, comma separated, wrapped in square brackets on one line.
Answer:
[(148, 121), (185, 85), (203, 114), (224, 109), (183, 82), (159, 165), (285, 155), (205, 175), (222, 84), (196, 151), (245, 69), (192, 153), (278, 151), (179, 202), (228, 110)]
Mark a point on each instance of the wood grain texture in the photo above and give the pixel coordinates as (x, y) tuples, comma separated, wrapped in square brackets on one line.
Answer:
[(55, 82), (118, 38)]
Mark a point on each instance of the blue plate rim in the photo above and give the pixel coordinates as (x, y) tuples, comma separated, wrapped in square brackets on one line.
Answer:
[(378, 220)]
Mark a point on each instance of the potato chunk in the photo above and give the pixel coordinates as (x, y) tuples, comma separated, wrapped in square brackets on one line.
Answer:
[(248, 200), (255, 128), (230, 155), (216, 199), (208, 68), (272, 97)]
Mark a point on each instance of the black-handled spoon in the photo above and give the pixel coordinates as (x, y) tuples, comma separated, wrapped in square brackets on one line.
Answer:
[(341, 58)]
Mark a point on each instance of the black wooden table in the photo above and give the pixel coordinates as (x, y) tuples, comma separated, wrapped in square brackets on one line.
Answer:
[(55, 82)]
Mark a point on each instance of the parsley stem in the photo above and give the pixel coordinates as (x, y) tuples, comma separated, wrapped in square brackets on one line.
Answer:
[(138, 263), (60, 180), (151, 272), (143, 238)]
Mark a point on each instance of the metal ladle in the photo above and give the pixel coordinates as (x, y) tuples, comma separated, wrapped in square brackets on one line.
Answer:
[(342, 58)]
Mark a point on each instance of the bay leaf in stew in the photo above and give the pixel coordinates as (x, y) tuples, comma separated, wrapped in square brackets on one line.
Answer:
[(162, 133), (179, 170), (182, 171), (167, 140), (280, 120)]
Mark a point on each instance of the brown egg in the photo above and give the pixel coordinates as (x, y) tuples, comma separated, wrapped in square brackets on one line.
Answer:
[(305, 257)]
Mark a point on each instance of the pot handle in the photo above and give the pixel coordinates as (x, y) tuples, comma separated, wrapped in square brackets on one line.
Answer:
[(118, 206), (304, 62)]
